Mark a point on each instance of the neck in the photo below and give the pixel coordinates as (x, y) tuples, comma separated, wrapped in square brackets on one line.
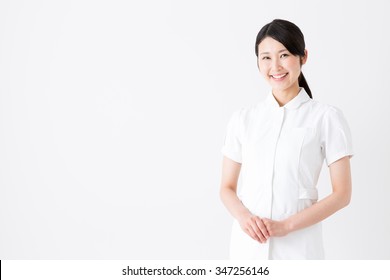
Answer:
[(284, 96)]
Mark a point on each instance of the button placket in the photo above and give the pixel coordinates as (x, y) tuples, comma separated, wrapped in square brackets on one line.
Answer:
[(279, 119)]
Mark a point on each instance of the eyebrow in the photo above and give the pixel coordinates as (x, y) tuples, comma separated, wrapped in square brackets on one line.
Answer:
[(278, 51)]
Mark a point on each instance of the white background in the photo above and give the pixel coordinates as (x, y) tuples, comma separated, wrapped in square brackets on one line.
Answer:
[(113, 114)]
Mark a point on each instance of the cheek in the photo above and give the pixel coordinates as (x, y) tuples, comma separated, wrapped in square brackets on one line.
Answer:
[(293, 66), (264, 69)]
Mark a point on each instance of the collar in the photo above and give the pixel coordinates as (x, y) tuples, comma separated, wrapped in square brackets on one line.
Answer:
[(294, 103)]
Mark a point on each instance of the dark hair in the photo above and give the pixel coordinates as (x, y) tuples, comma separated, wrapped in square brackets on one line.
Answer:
[(288, 34)]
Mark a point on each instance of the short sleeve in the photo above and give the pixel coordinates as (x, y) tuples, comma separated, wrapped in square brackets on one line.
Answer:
[(232, 144), (336, 139)]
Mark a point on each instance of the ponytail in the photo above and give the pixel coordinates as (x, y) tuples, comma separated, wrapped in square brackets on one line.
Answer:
[(302, 83)]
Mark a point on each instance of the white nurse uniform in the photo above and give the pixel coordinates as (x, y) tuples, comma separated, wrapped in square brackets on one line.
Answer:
[(281, 151)]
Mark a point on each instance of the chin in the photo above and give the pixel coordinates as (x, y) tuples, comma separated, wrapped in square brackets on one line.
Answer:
[(280, 87)]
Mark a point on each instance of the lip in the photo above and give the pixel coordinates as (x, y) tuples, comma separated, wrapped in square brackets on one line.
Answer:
[(280, 77)]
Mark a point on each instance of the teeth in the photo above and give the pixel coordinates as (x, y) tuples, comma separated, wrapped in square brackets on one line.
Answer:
[(279, 76)]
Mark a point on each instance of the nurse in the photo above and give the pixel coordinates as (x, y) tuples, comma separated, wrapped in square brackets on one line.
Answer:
[(277, 147)]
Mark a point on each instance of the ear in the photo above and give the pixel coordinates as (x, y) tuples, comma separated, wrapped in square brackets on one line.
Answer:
[(304, 58)]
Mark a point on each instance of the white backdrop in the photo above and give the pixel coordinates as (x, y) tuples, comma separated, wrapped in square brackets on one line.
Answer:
[(113, 114)]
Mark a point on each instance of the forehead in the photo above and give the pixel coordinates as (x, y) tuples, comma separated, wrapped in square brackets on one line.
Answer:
[(270, 45)]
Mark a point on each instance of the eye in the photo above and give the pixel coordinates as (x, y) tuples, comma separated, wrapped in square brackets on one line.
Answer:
[(265, 57), (284, 55)]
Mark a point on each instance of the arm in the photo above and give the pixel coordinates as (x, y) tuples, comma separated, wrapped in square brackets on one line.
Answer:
[(251, 224), (340, 174)]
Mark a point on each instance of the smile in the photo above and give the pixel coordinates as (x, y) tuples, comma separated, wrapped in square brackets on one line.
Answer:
[(279, 77)]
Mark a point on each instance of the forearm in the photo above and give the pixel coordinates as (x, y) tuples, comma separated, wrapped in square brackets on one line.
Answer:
[(233, 203), (318, 211)]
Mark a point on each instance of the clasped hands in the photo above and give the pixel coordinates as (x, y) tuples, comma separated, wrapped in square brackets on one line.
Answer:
[(260, 229)]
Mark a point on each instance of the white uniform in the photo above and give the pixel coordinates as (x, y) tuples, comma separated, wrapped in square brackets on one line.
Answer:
[(282, 150)]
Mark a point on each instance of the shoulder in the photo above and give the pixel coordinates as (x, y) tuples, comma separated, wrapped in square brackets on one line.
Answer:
[(329, 117), (324, 107), (324, 110), (246, 112)]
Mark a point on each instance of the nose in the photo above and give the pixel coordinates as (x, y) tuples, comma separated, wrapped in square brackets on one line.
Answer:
[(276, 65)]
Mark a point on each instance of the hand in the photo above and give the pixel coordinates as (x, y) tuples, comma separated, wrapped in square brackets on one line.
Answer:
[(276, 228), (254, 227)]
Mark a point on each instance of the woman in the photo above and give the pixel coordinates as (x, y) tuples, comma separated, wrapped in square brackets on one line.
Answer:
[(279, 146)]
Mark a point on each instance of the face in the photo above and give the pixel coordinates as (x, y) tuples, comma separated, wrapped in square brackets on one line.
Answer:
[(278, 66)]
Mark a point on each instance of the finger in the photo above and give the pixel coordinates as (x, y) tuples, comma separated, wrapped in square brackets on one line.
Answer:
[(249, 231), (262, 227), (266, 222), (259, 235), (258, 231), (252, 234), (269, 224)]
